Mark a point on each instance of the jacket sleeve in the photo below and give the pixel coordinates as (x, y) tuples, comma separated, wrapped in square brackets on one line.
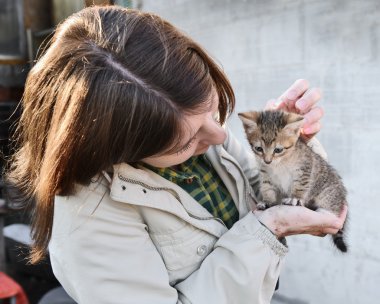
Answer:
[(243, 268), (101, 253), (112, 259), (317, 147)]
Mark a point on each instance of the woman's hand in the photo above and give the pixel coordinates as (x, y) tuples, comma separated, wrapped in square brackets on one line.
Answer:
[(289, 220), (301, 99)]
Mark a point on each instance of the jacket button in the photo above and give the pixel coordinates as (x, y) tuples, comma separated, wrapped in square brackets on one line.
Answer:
[(201, 250)]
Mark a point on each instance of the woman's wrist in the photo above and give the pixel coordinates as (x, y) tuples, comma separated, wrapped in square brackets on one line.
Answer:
[(267, 220), (265, 225)]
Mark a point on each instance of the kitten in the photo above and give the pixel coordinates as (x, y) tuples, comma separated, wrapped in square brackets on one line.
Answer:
[(291, 172)]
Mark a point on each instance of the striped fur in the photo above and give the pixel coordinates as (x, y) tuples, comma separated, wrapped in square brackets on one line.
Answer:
[(290, 171)]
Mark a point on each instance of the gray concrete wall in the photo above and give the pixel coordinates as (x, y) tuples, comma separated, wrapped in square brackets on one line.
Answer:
[(335, 44)]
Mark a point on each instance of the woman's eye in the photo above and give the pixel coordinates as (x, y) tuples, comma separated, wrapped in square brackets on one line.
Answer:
[(278, 150), (259, 149), (187, 147)]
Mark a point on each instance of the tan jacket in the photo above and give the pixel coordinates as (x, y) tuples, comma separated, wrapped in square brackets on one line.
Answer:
[(142, 239)]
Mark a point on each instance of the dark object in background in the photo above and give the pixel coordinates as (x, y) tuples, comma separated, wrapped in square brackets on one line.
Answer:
[(9, 114), (12, 34), (36, 280), (56, 296), (16, 255)]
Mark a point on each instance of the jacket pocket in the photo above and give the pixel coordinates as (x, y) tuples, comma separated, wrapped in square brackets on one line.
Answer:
[(184, 248)]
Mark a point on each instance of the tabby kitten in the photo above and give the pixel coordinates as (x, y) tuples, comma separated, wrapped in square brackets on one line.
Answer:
[(291, 172)]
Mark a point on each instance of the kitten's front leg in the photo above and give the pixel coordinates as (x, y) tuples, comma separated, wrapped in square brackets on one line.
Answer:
[(270, 195), (300, 187)]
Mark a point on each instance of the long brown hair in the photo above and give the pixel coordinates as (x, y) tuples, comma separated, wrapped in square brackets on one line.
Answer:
[(113, 87)]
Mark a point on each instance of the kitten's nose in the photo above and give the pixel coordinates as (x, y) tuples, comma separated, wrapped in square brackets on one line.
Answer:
[(267, 161)]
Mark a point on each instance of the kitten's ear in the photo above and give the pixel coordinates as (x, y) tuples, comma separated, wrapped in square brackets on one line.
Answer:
[(294, 124), (249, 120)]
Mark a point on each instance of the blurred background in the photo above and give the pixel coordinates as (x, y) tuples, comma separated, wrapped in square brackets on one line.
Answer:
[(264, 46)]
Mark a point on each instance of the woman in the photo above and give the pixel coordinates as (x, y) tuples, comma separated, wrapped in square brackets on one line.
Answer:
[(142, 192)]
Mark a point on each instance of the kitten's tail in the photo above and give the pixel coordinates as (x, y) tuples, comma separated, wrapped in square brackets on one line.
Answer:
[(339, 241)]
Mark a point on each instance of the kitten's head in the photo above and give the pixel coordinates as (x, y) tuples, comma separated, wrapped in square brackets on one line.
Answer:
[(271, 134)]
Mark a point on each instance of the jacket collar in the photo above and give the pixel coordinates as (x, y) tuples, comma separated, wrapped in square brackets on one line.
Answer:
[(141, 186)]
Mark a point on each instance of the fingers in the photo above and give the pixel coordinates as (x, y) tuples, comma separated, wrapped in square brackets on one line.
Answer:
[(310, 131), (312, 123), (331, 220), (325, 222), (298, 98), (330, 223), (313, 116), (308, 100), (344, 212), (288, 99), (330, 230), (302, 100), (320, 234), (343, 215)]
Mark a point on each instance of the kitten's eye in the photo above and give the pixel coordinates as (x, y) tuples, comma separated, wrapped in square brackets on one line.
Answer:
[(278, 150), (259, 149)]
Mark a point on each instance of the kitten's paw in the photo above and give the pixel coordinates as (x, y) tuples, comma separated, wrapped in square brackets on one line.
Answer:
[(261, 206), (292, 201)]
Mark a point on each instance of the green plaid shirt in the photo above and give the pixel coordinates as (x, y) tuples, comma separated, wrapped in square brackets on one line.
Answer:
[(197, 177)]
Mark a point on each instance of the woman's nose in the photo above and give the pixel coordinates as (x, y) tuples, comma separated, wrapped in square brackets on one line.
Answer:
[(215, 135)]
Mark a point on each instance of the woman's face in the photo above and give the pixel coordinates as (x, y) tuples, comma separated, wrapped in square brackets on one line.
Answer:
[(203, 131)]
